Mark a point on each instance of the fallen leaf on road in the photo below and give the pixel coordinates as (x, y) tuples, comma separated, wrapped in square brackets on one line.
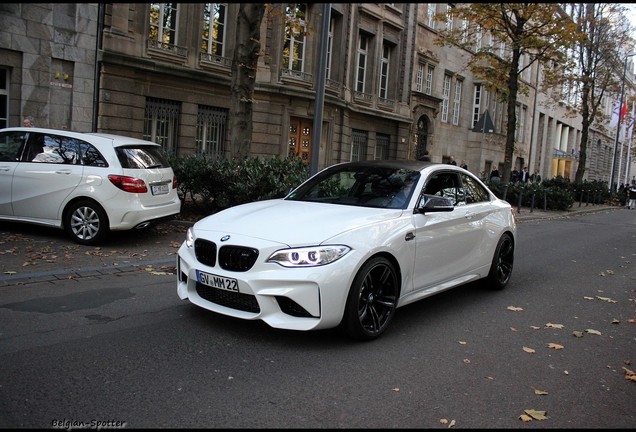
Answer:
[(577, 333), (555, 346), (540, 392), (514, 308), (528, 350), (592, 331), (537, 415), (559, 326)]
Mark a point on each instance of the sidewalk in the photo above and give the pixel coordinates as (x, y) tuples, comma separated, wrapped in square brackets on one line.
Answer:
[(526, 214)]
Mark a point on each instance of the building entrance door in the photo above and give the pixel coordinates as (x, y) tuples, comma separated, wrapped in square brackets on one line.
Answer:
[(300, 138)]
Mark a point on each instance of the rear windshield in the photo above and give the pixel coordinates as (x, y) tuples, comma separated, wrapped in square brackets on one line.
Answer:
[(142, 157)]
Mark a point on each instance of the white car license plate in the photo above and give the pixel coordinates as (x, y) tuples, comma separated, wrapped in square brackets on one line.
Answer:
[(217, 281), (160, 189)]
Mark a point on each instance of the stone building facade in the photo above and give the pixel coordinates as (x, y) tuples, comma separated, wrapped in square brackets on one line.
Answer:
[(162, 71)]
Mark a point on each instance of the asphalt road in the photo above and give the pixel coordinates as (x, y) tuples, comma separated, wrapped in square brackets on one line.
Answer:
[(111, 342)]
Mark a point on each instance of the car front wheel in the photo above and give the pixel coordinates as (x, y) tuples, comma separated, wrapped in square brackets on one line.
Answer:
[(372, 300), (502, 263), (86, 223)]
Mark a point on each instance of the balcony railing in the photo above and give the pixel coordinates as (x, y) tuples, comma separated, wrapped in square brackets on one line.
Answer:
[(216, 59), (168, 48), (298, 75)]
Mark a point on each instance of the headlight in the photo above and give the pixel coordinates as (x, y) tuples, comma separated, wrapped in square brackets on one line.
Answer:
[(189, 238), (309, 256)]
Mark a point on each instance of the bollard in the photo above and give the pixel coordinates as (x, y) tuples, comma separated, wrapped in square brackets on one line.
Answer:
[(587, 198), (519, 203), (545, 201), (532, 202), (580, 198)]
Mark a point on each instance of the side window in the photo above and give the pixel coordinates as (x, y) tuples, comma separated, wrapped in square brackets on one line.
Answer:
[(447, 185), (91, 156), (11, 144), (475, 192), (51, 149)]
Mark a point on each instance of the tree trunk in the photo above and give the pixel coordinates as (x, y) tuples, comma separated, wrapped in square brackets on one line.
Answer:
[(244, 64)]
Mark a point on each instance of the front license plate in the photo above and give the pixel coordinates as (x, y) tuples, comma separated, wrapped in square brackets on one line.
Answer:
[(217, 281), (161, 189)]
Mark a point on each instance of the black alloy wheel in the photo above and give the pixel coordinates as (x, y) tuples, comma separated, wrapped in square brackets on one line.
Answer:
[(372, 300), (502, 263)]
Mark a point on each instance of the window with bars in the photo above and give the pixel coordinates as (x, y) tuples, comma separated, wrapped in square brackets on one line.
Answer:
[(211, 127), (381, 147), (457, 101), (295, 30), (384, 71), (446, 89), (163, 24), (359, 141), (213, 35), (161, 123)]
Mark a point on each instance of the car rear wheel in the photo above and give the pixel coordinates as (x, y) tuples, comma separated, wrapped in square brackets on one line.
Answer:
[(86, 223), (502, 263), (372, 300)]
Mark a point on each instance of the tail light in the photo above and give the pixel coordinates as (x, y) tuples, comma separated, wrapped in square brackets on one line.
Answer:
[(129, 184), (174, 182)]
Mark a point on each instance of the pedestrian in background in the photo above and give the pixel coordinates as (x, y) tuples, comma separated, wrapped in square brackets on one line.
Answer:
[(425, 157), (632, 197), (28, 122), (452, 160), (463, 164), (494, 174)]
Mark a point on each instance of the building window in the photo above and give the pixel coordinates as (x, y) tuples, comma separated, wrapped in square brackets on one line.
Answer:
[(330, 47), (429, 80), (476, 104), (419, 78), (161, 123), (362, 63), (457, 101), (382, 147), (210, 138), (295, 30), (213, 37), (359, 141), (163, 24), (430, 14), (384, 71), (446, 97), (4, 99)]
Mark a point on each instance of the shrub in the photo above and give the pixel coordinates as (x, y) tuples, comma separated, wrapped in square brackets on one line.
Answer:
[(213, 185)]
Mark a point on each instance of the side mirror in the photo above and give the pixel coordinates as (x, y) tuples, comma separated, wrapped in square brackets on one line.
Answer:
[(434, 204)]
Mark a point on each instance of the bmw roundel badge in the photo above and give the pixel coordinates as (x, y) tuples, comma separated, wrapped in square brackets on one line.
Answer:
[(225, 238)]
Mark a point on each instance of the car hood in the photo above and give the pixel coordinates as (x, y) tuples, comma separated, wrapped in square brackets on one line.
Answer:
[(293, 223)]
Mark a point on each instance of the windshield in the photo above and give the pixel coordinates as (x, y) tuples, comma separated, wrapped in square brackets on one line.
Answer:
[(379, 187)]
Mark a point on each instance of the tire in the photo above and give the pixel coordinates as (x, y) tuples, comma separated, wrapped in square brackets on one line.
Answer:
[(372, 300), (86, 223), (502, 263)]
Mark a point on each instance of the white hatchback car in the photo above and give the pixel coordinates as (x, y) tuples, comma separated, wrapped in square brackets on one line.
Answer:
[(86, 183), (349, 246)]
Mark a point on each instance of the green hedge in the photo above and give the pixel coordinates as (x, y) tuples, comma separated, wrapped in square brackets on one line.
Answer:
[(213, 185), (558, 193)]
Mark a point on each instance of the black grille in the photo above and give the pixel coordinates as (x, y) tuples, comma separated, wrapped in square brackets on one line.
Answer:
[(205, 251), (237, 258), (231, 299)]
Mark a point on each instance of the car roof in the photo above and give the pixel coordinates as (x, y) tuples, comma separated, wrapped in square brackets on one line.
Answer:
[(115, 140), (414, 165)]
